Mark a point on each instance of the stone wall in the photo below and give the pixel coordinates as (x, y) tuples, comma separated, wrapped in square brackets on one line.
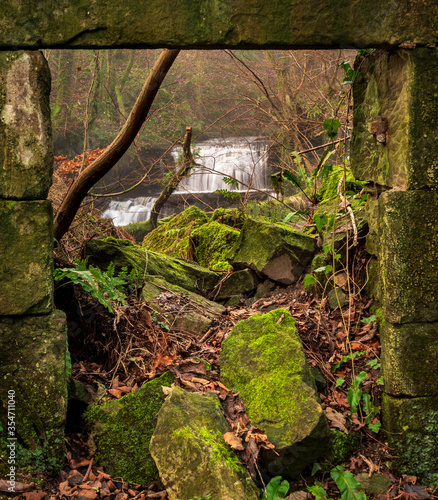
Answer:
[(394, 147), (32, 335)]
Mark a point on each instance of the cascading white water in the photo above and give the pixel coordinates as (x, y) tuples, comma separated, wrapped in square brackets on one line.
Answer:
[(244, 159), (125, 212)]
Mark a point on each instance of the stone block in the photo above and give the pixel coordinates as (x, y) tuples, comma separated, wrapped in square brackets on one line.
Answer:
[(395, 119), (26, 247), (33, 370), (408, 255), (412, 428), (26, 153), (410, 358)]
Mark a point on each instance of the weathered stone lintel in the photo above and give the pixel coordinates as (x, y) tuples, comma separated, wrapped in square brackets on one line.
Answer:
[(26, 266), (213, 24), (396, 119), (26, 152), (410, 359), (33, 365)]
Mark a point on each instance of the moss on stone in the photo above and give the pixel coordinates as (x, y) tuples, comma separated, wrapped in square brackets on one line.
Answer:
[(124, 253), (264, 360), (122, 430), (190, 452), (26, 153), (174, 237), (229, 216), (412, 427), (26, 246), (33, 365), (212, 242), (238, 282), (274, 251), (329, 186), (138, 230), (408, 259), (410, 358), (342, 447)]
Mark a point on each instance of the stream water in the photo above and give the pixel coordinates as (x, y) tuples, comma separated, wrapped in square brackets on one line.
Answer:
[(244, 159)]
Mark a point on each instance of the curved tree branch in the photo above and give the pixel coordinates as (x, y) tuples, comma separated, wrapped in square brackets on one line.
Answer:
[(102, 165)]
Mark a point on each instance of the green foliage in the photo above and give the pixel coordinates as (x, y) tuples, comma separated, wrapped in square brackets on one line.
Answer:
[(348, 486), (346, 483), (350, 74), (318, 491), (331, 126), (276, 489), (103, 285), (205, 497), (159, 321), (369, 320), (356, 396), (345, 358)]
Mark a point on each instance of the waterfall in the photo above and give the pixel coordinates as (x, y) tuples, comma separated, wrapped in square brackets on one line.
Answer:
[(244, 159), (125, 212)]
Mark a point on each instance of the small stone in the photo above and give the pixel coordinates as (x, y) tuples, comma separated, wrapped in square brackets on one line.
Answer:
[(336, 298)]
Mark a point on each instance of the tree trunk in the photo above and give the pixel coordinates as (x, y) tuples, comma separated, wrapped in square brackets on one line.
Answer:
[(185, 168), (102, 165)]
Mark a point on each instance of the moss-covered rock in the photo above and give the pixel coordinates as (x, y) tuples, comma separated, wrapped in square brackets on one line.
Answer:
[(191, 454), (264, 360), (377, 484), (395, 114), (26, 153), (242, 281), (212, 242), (410, 358), (229, 216), (26, 249), (195, 313), (408, 255), (174, 237), (412, 427), (265, 289), (138, 230), (124, 253), (122, 429), (33, 376), (342, 447), (273, 251)]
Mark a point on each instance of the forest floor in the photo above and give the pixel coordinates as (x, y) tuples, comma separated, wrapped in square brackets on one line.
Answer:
[(113, 367)]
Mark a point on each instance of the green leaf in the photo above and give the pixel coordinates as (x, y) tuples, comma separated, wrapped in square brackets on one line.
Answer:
[(309, 280), (292, 178), (320, 221), (381, 380), (369, 320), (345, 358), (348, 486), (318, 491), (331, 126), (320, 269), (375, 427), (374, 363), (276, 488), (340, 381)]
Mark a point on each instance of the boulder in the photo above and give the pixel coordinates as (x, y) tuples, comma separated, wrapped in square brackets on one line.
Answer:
[(243, 281), (191, 454), (192, 313), (263, 359), (377, 484), (212, 241), (174, 237), (273, 251), (121, 431), (124, 253)]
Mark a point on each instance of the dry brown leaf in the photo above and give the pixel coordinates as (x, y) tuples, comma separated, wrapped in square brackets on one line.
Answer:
[(188, 383), (116, 393), (336, 419), (166, 390), (34, 495), (234, 441), (200, 380)]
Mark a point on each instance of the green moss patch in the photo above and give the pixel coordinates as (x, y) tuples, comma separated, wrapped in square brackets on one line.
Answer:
[(212, 242), (174, 237), (122, 430)]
